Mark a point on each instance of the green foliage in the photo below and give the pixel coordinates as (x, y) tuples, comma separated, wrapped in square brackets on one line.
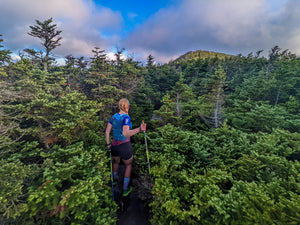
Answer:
[(14, 180), (58, 115), (65, 117), (251, 116), (75, 186), (279, 142), (185, 197), (235, 178), (179, 108)]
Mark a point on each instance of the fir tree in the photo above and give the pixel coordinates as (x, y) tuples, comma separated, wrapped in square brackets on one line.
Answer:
[(49, 35)]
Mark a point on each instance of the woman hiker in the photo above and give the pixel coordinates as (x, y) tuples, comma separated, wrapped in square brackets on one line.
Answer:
[(121, 147)]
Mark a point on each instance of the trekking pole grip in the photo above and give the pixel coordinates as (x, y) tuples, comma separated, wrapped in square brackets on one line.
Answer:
[(143, 123)]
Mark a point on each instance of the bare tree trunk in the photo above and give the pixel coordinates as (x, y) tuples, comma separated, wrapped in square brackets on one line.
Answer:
[(69, 82), (177, 104), (216, 115), (218, 108), (277, 96), (45, 63)]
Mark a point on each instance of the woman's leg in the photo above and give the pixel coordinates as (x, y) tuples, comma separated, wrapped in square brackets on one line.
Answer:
[(128, 164), (115, 163)]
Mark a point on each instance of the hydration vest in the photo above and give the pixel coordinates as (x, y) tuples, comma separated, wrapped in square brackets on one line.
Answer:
[(117, 122)]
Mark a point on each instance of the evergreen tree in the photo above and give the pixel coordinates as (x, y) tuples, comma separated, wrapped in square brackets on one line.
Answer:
[(126, 72), (99, 60), (49, 35), (71, 71), (4, 58), (98, 71), (213, 101), (150, 61), (178, 105), (35, 57), (4, 54), (285, 79)]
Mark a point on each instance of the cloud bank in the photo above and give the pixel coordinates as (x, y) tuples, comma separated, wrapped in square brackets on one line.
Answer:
[(231, 26)]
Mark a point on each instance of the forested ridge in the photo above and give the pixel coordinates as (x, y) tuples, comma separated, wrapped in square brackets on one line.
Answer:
[(222, 132)]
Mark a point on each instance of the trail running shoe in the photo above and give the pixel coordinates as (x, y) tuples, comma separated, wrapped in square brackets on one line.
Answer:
[(128, 191)]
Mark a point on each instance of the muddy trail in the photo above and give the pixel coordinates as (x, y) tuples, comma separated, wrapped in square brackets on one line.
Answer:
[(133, 209)]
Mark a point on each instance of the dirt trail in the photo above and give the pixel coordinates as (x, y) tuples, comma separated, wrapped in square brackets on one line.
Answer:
[(133, 210)]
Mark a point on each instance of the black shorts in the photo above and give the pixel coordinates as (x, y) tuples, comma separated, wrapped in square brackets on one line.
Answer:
[(123, 150)]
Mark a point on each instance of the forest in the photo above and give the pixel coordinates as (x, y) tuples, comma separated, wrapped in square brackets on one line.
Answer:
[(222, 132)]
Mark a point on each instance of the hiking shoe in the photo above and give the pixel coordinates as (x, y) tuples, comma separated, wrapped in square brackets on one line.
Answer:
[(128, 191)]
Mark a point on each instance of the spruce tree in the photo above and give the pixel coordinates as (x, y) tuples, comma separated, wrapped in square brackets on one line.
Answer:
[(4, 54), (49, 35)]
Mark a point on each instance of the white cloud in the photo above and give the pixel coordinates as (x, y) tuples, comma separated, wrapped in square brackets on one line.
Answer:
[(81, 21), (236, 22), (293, 42), (112, 57), (15, 57)]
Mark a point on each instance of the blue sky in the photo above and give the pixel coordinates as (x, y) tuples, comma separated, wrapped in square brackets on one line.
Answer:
[(164, 28), (135, 12)]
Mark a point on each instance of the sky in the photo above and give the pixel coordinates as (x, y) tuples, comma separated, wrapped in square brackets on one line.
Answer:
[(165, 29)]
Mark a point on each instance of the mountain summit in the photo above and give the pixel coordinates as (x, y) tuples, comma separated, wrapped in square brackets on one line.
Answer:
[(194, 55)]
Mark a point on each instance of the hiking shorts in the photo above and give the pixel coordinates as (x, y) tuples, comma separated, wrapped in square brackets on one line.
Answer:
[(123, 150)]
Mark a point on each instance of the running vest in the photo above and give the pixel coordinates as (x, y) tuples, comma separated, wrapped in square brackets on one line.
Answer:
[(117, 121)]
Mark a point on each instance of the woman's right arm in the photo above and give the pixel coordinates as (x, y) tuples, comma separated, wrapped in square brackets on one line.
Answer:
[(128, 133), (107, 135)]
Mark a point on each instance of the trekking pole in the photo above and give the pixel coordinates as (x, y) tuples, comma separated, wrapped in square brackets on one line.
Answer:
[(147, 153), (111, 178)]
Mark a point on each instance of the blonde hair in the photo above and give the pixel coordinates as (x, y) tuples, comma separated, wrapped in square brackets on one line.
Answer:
[(123, 105)]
